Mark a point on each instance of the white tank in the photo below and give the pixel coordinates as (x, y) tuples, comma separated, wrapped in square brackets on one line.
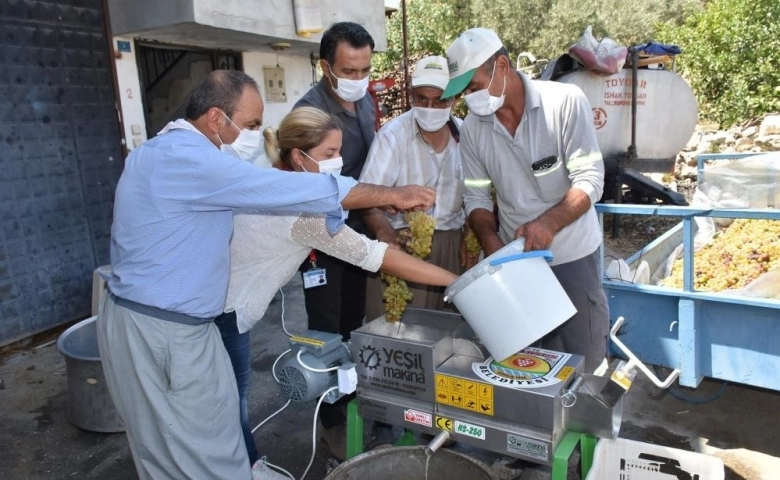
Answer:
[(666, 112)]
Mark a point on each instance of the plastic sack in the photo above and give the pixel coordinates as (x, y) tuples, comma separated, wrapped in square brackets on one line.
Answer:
[(605, 56), (621, 271), (741, 183), (765, 286), (745, 183)]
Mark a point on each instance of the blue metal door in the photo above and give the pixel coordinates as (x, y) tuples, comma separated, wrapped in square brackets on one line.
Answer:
[(60, 159)]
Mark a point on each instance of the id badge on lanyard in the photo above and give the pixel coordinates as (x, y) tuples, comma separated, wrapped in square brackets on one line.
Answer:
[(314, 277)]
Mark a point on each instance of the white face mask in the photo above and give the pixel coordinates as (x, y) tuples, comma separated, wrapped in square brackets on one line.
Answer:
[(246, 146), (431, 119), (329, 165), (482, 103), (349, 90)]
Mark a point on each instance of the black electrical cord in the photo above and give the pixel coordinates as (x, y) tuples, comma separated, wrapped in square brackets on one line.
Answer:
[(680, 395)]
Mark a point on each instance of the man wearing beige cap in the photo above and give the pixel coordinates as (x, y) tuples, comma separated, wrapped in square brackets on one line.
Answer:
[(534, 141), (420, 147)]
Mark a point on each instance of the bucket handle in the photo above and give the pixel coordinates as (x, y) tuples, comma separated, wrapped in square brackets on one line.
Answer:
[(547, 254)]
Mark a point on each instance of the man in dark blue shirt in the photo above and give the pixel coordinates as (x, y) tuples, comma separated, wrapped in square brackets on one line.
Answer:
[(340, 305)]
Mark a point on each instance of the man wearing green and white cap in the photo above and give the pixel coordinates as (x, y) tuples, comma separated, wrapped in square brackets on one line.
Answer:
[(534, 141)]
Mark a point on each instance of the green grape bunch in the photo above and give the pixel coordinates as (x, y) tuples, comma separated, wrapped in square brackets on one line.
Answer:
[(396, 296), (404, 239), (417, 240), (421, 226), (473, 247)]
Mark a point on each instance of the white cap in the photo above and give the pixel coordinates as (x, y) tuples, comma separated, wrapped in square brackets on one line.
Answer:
[(431, 72), (468, 52)]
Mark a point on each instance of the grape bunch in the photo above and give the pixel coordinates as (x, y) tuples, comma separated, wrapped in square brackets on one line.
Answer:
[(396, 296), (473, 247), (404, 238), (416, 240), (737, 255), (421, 226)]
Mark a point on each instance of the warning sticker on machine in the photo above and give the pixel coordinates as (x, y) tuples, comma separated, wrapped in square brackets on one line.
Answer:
[(528, 368), (526, 446), (565, 373), (466, 394), (418, 417), (444, 423), (310, 341)]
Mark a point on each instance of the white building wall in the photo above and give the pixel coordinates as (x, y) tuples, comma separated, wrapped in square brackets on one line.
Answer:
[(297, 77), (130, 98)]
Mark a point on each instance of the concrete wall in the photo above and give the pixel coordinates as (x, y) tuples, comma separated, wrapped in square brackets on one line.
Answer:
[(137, 15), (255, 23), (243, 25), (370, 14), (297, 75), (273, 18)]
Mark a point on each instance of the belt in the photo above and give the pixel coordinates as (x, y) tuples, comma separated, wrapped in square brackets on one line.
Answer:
[(158, 313)]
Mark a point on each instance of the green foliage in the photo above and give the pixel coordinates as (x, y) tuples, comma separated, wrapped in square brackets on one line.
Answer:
[(546, 28), (431, 26), (516, 23), (627, 23), (731, 57)]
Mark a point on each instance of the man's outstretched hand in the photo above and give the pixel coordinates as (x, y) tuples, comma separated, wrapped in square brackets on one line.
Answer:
[(414, 197)]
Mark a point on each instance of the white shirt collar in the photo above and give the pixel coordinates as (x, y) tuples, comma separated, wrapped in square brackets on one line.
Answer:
[(179, 124)]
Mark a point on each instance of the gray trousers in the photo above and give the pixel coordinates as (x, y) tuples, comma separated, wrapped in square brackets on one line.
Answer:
[(586, 332), (173, 386)]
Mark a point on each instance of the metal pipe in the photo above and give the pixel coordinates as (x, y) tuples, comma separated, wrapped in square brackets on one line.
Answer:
[(569, 398), (632, 155), (635, 362), (437, 442), (576, 385), (406, 56)]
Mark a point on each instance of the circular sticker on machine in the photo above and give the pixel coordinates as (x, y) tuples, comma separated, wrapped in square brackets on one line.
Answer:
[(528, 368)]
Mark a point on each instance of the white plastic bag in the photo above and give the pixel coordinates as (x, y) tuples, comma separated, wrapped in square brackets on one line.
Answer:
[(620, 270), (605, 56), (765, 286)]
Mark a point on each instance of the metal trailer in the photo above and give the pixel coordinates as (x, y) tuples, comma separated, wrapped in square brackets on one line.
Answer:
[(704, 334)]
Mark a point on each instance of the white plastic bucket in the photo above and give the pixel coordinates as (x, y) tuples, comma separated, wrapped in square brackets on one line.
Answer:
[(511, 299)]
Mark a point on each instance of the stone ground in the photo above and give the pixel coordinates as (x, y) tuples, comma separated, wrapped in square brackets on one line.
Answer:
[(38, 442)]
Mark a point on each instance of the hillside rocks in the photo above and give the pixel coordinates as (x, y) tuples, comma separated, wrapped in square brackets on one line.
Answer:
[(760, 135)]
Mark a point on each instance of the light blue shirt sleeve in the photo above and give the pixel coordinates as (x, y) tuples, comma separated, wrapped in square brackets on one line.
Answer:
[(225, 182), (173, 218)]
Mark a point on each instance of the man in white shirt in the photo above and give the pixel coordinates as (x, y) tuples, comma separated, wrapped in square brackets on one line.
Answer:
[(420, 147)]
